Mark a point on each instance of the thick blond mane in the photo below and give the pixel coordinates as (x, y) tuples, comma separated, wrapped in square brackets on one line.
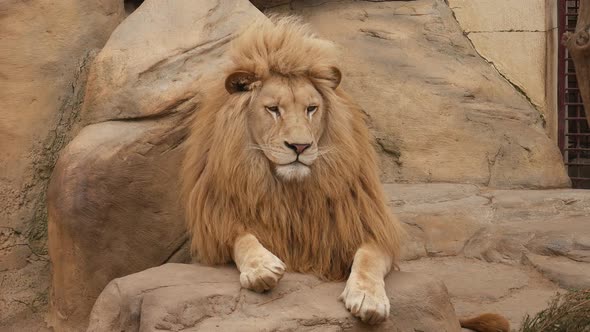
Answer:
[(315, 225), (283, 46)]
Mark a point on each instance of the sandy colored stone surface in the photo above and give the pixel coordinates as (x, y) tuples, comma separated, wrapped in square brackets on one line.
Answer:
[(26, 321), (524, 66), (45, 50), (484, 15), (439, 111), (528, 245), (177, 297), (568, 273), (146, 70), (527, 30), (477, 287), (108, 215), (494, 225)]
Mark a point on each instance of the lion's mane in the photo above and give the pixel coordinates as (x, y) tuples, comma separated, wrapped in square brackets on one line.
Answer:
[(314, 225)]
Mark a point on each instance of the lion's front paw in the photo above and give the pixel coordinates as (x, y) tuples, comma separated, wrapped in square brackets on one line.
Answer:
[(366, 299), (263, 273)]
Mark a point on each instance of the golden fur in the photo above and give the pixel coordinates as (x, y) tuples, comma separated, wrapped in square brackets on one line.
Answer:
[(486, 323), (314, 225)]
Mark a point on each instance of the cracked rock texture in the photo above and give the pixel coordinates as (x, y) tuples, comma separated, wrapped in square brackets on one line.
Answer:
[(504, 251), (439, 111), (46, 47), (179, 297), (493, 225), (476, 287), (529, 30)]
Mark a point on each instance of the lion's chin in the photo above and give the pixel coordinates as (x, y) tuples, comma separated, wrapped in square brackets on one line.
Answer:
[(295, 171)]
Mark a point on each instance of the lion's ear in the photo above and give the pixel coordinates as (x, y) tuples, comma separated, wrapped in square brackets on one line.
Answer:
[(332, 75), (336, 77), (239, 81)]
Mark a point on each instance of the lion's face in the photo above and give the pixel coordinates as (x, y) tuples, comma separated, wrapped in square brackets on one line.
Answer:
[(286, 121), (286, 117)]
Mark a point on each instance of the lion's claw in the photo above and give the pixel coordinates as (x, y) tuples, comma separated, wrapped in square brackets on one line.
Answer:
[(263, 274), (367, 301)]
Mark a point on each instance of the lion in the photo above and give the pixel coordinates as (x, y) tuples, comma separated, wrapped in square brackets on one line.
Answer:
[(281, 174)]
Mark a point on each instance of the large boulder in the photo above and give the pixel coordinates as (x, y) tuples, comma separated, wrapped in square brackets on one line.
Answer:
[(112, 211), (180, 297), (46, 47), (439, 111), (112, 201)]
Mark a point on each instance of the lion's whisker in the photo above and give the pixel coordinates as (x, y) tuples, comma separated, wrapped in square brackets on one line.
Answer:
[(265, 149)]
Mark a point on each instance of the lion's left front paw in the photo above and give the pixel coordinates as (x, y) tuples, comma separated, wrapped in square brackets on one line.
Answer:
[(366, 299), (262, 273)]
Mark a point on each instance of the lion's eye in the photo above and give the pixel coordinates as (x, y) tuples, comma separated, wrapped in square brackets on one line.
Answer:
[(311, 109), (273, 110)]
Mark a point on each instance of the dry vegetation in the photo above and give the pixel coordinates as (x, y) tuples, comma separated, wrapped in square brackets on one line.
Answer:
[(568, 312)]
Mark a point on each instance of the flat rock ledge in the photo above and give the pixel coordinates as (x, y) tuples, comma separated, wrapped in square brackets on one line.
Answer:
[(182, 297)]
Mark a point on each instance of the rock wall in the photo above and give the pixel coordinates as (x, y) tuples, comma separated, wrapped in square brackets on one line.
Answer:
[(439, 111), (45, 50), (528, 29)]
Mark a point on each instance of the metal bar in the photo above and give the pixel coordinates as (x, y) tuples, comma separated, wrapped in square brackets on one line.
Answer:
[(579, 179), (561, 10), (573, 132)]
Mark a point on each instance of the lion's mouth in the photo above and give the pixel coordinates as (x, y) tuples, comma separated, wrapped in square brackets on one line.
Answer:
[(295, 162), (295, 170)]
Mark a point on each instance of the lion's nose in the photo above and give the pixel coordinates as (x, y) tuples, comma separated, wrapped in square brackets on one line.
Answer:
[(297, 147)]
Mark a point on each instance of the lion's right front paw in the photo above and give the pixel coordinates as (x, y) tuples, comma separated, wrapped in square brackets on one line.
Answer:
[(264, 273), (366, 299)]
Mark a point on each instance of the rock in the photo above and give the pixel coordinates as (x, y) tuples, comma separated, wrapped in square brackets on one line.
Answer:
[(427, 193), (493, 225), (439, 111), (526, 29), (147, 70), (521, 205), (14, 257), (176, 297), (46, 46), (113, 198), (111, 211), (445, 227), (508, 243), (477, 287), (29, 322), (439, 218), (528, 244), (565, 272)]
